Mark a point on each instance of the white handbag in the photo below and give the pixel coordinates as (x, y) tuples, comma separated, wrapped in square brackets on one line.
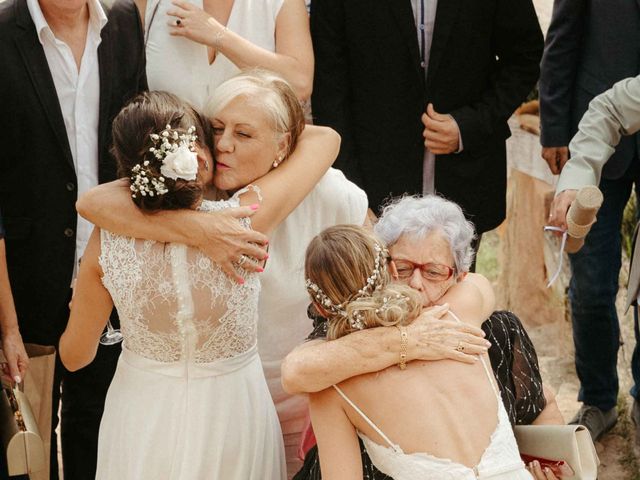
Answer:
[(569, 443), (19, 434)]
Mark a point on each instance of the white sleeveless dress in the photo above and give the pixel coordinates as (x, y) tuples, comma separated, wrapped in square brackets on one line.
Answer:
[(181, 66), (189, 399), (500, 460)]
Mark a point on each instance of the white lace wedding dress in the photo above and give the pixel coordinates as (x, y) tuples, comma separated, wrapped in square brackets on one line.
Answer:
[(189, 399)]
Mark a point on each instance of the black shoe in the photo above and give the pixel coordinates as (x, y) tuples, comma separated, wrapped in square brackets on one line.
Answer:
[(597, 421), (635, 416)]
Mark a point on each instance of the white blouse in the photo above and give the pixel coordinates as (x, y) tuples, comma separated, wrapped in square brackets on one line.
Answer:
[(181, 66), (282, 311)]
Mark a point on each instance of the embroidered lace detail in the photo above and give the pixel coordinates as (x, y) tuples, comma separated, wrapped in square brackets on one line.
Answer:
[(174, 303)]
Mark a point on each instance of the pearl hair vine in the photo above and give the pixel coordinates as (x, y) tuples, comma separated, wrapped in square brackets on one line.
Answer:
[(176, 154), (372, 283)]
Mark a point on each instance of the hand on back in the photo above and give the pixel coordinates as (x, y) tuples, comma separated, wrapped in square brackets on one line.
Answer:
[(225, 241), (434, 337)]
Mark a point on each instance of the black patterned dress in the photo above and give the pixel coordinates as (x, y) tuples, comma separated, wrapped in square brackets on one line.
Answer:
[(515, 365)]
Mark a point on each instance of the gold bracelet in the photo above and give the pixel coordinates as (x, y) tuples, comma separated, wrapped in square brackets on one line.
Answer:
[(404, 343), (217, 40)]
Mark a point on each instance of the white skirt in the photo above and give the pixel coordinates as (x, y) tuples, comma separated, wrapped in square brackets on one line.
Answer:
[(183, 421)]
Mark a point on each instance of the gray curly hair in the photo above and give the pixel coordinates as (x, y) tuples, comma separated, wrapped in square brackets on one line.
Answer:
[(417, 216)]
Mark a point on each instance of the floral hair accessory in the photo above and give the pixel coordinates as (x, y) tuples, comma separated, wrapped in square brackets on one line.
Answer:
[(373, 283), (178, 159)]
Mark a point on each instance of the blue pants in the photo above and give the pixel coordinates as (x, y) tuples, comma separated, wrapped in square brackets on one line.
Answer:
[(592, 292)]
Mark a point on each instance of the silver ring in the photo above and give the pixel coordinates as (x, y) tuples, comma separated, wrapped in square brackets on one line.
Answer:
[(460, 347)]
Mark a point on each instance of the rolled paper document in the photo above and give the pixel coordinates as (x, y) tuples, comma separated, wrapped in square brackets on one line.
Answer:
[(581, 216)]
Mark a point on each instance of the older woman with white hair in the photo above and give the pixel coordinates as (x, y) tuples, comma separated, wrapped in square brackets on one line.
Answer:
[(429, 242)]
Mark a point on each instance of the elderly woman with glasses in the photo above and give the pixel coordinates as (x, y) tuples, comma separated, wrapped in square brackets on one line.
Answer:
[(429, 242)]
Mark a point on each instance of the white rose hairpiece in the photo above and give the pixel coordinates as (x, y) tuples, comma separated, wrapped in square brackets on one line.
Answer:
[(178, 159)]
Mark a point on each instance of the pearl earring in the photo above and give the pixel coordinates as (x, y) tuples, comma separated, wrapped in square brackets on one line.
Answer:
[(278, 161)]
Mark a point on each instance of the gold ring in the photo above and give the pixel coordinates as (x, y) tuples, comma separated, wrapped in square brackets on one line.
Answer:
[(243, 258), (460, 347)]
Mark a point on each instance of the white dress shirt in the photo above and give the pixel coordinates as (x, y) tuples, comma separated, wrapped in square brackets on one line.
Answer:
[(424, 13), (79, 98)]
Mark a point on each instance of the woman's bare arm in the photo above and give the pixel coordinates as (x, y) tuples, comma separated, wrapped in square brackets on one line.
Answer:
[(293, 58), (551, 414), (218, 234), (90, 311), (317, 365), (472, 299), (338, 445), (283, 188)]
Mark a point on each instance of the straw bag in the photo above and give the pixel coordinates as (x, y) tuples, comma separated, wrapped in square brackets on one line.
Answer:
[(557, 444)]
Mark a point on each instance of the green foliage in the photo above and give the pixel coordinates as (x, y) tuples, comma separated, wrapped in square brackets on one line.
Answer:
[(629, 221), (487, 261)]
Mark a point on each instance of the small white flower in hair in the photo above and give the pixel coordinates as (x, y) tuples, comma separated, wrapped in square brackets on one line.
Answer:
[(181, 163)]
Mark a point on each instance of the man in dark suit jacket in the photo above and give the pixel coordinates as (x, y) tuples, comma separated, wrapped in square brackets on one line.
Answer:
[(592, 44), (378, 66), (38, 179)]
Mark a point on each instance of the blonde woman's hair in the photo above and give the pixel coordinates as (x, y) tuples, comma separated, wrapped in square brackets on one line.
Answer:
[(272, 93), (339, 261)]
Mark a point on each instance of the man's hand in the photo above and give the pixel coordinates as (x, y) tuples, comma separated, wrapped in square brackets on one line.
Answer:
[(559, 208), (17, 358), (432, 338), (441, 133), (555, 157), (225, 241)]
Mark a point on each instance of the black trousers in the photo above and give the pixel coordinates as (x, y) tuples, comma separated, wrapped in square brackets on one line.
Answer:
[(83, 396)]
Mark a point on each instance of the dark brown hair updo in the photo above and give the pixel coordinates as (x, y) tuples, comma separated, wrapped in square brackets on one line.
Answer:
[(150, 113)]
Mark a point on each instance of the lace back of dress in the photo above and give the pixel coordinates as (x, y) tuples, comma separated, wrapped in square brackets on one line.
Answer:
[(174, 303)]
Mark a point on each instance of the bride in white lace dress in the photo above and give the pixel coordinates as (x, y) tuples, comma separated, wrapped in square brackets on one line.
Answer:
[(189, 399)]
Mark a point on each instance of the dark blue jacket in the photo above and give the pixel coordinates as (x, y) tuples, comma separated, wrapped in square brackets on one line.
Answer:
[(590, 45)]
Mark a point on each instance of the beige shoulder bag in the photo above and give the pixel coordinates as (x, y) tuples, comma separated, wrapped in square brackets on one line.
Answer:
[(19, 434), (25, 416)]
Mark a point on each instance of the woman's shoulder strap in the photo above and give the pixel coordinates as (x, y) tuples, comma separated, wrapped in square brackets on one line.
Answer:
[(392, 445)]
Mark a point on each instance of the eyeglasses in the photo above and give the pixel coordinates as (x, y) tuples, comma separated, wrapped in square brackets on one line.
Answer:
[(434, 272)]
